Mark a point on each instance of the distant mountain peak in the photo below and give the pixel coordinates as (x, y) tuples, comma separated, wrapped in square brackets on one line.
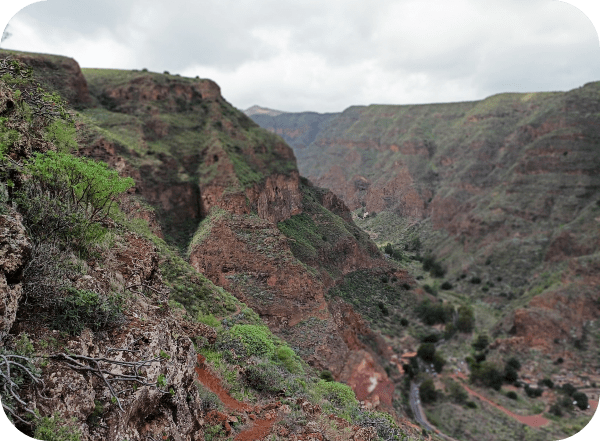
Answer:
[(257, 110)]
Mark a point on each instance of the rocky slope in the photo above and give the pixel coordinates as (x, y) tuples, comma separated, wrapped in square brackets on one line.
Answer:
[(212, 183), (505, 189)]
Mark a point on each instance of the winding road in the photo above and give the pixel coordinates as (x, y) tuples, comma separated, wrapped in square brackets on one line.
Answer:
[(415, 405)]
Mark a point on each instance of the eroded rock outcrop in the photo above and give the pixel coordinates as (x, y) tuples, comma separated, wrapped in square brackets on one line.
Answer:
[(15, 249)]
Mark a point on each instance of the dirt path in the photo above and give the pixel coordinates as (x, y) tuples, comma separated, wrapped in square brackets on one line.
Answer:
[(530, 420), (260, 427)]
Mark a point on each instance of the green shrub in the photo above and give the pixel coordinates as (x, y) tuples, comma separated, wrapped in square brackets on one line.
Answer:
[(256, 339), (209, 399), (510, 374), (512, 395), (430, 290), (82, 308), (434, 268), (209, 320), (456, 392), (581, 399), (533, 392), (50, 216), (62, 134), (556, 410), (546, 382), (438, 362), (426, 352), (339, 394), (265, 377), (404, 321), (434, 313), (430, 338), (446, 285), (92, 185), (427, 391), (471, 405), (94, 418), (568, 389), (326, 375), (514, 363), (54, 428), (481, 342), (487, 374), (466, 319), (475, 280), (289, 359)]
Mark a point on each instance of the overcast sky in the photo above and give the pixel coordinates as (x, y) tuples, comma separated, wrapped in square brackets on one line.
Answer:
[(326, 55)]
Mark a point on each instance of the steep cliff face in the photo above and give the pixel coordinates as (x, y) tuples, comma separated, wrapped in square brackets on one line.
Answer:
[(284, 274), (504, 189), (57, 74), (274, 242), (102, 321)]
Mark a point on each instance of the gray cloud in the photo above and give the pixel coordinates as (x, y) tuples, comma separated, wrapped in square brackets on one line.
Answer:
[(325, 56)]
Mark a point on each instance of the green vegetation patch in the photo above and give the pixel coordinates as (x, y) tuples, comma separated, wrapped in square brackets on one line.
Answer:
[(378, 298), (86, 309)]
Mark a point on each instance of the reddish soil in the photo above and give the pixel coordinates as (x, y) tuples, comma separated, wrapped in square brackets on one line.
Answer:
[(259, 430), (530, 420), (260, 427)]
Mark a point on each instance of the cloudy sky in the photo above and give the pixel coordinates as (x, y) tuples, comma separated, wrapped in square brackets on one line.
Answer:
[(326, 55)]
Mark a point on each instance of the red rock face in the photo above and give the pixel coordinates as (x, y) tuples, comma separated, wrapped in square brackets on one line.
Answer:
[(145, 89), (60, 73), (251, 258)]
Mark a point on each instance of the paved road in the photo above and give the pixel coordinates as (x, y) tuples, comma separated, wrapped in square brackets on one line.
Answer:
[(415, 405)]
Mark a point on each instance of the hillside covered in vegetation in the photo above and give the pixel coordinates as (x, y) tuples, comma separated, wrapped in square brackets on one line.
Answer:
[(491, 205), (147, 229)]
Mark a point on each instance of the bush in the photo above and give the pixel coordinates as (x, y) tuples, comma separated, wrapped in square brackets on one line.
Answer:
[(487, 374), (339, 394), (510, 374), (471, 405), (265, 376), (438, 362), (581, 399), (430, 338), (475, 280), (434, 268), (427, 391), (404, 322), (93, 186), (568, 389), (434, 313), (326, 375), (446, 285), (55, 429), (426, 352), (533, 392), (256, 339), (513, 363), (82, 308), (50, 217), (481, 342), (546, 382), (383, 308), (512, 395), (392, 252), (288, 358), (456, 392), (430, 290), (209, 320), (480, 357), (466, 319), (556, 410)]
